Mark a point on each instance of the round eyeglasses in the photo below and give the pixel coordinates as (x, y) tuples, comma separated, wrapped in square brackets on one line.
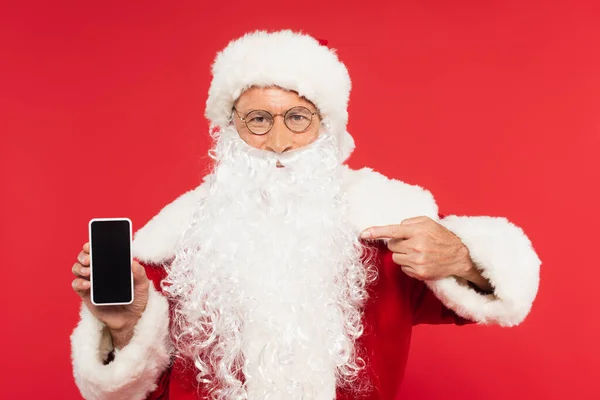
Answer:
[(260, 122)]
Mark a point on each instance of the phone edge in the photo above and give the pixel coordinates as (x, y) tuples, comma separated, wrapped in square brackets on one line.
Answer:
[(130, 260)]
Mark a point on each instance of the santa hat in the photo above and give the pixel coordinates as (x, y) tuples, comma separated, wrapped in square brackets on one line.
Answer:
[(290, 60)]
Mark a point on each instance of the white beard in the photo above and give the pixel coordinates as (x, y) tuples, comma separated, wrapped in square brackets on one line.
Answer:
[(268, 280)]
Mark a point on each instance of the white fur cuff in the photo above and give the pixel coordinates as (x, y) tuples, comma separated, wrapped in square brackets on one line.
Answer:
[(136, 368), (505, 257)]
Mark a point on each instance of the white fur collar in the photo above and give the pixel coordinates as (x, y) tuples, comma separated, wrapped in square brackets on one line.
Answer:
[(374, 200)]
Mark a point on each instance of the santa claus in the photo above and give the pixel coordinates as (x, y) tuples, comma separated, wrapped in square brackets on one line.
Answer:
[(286, 274)]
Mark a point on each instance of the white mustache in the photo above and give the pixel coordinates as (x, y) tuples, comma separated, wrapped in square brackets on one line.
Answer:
[(291, 158)]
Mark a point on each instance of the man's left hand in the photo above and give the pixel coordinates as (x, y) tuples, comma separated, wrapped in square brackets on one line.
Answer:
[(426, 250)]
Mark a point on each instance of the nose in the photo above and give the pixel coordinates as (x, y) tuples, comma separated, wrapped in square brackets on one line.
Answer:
[(279, 138)]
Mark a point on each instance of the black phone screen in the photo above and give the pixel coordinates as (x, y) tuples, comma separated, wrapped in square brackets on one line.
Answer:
[(110, 251)]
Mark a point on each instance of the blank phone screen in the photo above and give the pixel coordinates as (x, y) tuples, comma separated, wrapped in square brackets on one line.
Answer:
[(111, 261)]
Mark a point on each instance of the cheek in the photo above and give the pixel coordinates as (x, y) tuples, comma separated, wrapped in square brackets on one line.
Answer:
[(256, 141), (306, 138)]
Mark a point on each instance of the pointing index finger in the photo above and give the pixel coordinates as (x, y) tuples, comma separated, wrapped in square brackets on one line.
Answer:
[(387, 232)]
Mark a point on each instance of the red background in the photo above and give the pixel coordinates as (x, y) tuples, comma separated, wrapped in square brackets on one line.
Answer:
[(493, 106)]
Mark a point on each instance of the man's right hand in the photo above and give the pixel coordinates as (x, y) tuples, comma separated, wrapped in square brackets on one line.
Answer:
[(120, 320)]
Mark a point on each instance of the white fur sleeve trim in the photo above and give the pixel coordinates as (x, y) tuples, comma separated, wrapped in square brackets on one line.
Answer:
[(136, 367), (505, 257), (374, 199)]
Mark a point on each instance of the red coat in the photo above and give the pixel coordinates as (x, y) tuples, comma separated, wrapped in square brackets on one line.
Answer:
[(500, 249), (396, 303)]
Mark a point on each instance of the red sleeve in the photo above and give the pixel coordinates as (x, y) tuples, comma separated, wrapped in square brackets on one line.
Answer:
[(420, 303), (428, 309), (156, 273), (162, 390)]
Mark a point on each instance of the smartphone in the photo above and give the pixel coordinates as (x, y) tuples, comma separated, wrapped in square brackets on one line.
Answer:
[(111, 277)]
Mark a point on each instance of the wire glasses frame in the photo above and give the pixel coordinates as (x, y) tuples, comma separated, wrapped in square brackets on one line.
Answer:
[(259, 122)]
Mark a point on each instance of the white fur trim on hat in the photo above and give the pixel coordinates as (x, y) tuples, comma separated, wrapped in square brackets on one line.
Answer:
[(290, 60)]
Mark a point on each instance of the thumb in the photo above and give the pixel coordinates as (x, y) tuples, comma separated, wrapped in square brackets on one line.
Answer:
[(139, 273)]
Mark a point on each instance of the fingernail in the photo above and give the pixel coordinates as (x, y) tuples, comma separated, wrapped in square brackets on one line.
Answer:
[(365, 234), (86, 284), (85, 271)]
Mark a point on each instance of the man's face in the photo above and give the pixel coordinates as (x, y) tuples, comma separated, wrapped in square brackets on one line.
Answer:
[(276, 101)]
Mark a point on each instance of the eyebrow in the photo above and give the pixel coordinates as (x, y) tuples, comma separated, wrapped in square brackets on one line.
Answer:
[(309, 108)]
